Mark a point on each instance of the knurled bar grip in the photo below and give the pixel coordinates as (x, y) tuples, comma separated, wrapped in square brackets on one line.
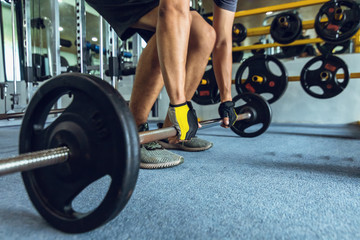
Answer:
[(29, 161), (163, 133)]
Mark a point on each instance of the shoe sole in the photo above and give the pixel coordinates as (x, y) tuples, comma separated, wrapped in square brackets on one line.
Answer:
[(161, 165), (182, 147)]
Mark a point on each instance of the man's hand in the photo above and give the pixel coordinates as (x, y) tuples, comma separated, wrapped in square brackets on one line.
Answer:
[(227, 113), (184, 118)]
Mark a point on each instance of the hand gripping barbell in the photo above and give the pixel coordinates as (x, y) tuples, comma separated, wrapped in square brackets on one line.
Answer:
[(95, 136)]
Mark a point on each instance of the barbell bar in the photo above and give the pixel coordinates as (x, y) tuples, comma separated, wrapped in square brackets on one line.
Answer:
[(21, 114), (94, 137), (33, 160)]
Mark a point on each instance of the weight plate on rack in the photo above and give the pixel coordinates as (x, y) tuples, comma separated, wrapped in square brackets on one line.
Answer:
[(207, 92), (337, 20), (322, 82), (101, 135), (265, 75), (239, 33), (260, 111), (286, 27)]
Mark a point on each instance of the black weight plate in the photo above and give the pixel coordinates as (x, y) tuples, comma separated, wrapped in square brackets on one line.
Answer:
[(261, 79), (101, 134), (239, 33), (333, 48), (260, 115), (322, 82), (286, 28), (207, 92), (337, 21)]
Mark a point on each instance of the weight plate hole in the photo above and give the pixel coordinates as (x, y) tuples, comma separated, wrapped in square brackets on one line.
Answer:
[(317, 90), (92, 196), (338, 49), (324, 19), (254, 128), (316, 65), (340, 72), (245, 74), (274, 69), (65, 101)]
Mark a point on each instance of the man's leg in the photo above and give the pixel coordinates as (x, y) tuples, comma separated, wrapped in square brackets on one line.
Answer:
[(201, 43), (202, 38), (222, 54), (148, 83), (172, 33), (149, 73), (147, 86)]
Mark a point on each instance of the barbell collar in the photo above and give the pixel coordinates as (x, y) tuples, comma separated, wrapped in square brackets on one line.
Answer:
[(164, 133), (29, 161)]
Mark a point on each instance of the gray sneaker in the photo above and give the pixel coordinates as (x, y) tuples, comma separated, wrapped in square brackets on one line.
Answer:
[(194, 145), (154, 156)]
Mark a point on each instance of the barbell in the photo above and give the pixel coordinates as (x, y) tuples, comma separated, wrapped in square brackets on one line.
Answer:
[(94, 136), (21, 114)]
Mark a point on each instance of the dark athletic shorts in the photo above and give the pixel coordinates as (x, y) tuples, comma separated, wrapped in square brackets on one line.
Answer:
[(146, 34), (227, 4), (121, 14)]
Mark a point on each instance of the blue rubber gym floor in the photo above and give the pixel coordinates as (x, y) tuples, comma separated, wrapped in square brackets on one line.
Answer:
[(293, 182)]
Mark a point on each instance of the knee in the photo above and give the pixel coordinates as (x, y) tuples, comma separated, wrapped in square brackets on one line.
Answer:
[(174, 9), (207, 38), (222, 42), (211, 36)]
